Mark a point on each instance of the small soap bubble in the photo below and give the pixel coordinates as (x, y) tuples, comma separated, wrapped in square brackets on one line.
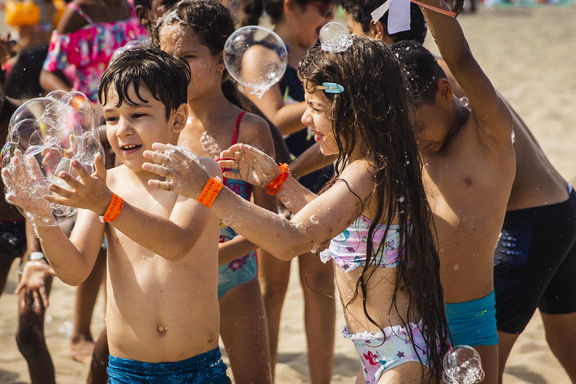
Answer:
[(464, 101), (334, 37), (255, 57), (462, 365), (314, 219), (66, 329)]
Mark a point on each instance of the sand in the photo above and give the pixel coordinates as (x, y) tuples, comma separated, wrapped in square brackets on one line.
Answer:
[(529, 55)]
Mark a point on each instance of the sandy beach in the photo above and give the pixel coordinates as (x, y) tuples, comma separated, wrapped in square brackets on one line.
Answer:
[(529, 53)]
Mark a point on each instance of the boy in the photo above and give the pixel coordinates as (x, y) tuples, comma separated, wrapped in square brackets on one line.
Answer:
[(162, 315), (468, 173)]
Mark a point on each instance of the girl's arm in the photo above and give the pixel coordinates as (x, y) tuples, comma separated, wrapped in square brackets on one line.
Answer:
[(50, 81), (309, 161), (318, 221)]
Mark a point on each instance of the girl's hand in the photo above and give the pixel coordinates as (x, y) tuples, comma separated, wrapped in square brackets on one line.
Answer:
[(88, 191), (26, 186), (182, 170), (250, 164)]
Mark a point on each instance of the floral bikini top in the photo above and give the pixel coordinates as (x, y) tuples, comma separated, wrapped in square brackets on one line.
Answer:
[(348, 249), (83, 55)]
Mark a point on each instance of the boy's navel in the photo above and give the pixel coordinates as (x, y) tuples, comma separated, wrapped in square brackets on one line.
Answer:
[(162, 329)]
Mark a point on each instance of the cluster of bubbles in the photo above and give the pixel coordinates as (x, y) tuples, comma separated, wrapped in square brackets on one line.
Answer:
[(462, 365), (54, 130), (256, 58), (334, 37)]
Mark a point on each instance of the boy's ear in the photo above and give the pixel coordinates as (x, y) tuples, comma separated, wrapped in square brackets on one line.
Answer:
[(180, 118), (445, 92), (379, 31)]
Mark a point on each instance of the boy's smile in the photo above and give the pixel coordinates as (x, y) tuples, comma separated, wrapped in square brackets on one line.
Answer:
[(133, 124)]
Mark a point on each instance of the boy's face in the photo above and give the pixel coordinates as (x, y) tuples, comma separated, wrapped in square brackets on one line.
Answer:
[(131, 129), (430, 128)]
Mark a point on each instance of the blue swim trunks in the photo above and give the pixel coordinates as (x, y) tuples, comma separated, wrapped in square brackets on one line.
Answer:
[(473, 322), (207, 368)]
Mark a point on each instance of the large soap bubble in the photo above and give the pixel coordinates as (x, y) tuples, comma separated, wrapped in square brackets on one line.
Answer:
[(53, 130), (462, 365), (334, 37), (256, 58)]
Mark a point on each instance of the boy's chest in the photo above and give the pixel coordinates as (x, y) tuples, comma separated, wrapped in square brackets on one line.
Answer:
[(467, 189)]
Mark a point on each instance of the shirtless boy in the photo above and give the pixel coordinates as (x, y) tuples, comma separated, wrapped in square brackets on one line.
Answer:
[(162, 314), (469, 169)]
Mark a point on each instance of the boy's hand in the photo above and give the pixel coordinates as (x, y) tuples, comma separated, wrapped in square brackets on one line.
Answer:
[(88, 191), (183, 172), (26, 186), (33, 285), (242, 161)]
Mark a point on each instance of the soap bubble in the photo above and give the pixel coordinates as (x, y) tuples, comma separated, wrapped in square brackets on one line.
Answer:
[(132, 44), (54, 130), (462, 365), (334, 37), (256, 58)]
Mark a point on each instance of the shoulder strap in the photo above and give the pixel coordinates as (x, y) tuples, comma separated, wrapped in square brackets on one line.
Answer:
[(76, 8), (238, 120)]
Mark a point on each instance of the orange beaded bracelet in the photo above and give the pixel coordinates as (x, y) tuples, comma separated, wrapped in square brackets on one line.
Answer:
[(210, 192), (275, 185), (114, 209)]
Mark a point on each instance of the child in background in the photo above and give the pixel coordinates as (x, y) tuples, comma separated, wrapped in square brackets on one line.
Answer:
[(162, 310), (386, 264), (298, 24), (197, 31)]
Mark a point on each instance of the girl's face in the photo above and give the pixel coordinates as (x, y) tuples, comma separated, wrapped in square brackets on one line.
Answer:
[(311, 18), (206, 69), (317, 118)]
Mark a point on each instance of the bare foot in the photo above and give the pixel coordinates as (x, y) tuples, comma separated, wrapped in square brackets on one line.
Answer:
[(81, 349)]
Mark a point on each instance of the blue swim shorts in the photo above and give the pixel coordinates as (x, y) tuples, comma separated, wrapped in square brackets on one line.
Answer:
[(473, 322), (207, 368)]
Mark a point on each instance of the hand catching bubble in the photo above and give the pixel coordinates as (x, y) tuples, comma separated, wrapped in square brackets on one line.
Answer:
[(256, 58), (242, 161), (462, 365), (45, 135)]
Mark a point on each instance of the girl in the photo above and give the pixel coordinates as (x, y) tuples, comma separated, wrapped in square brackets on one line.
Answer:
[(386, 264), (197, 31), (298, 23)]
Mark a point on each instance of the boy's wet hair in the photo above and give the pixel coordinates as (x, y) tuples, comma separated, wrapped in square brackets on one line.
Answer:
[(360, 11), (421, 70), (208, 19), (165, 76), (275, 8), (374, 109)]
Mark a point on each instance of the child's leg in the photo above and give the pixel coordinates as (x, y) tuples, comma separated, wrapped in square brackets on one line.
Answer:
[(489, 356), (99, 363), (81, 342), (561, 336), (30, 337), (274, 277), (244, 332), (317, 280), (505, 343)]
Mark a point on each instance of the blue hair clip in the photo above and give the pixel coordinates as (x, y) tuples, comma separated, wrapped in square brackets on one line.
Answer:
[(331, 87)]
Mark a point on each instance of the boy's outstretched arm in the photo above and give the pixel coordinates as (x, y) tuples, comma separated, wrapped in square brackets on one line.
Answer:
[(171, 237), (488, 108)]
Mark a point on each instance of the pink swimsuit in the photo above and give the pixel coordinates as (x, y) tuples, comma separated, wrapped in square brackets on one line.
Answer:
[(83, 55)]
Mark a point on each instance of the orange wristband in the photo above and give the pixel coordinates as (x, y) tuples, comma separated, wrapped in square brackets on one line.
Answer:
[(275, 185), (114, 209), (210, 192)]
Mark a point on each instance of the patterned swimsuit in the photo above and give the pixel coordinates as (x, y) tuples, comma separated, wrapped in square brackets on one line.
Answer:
[(83, 55)]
